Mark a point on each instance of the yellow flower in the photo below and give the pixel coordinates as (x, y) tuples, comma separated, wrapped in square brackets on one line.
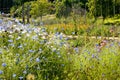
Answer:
[(30, 77)]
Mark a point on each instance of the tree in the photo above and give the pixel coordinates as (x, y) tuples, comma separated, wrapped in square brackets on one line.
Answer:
[(21, 3), (63, 8), (5, 5), (104, 8), (39, 8)]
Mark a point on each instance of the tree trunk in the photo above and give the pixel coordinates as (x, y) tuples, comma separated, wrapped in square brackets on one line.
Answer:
[(114, 7), (28, 14), (85, 15), (23, 14), (41, 22), (41, 18)]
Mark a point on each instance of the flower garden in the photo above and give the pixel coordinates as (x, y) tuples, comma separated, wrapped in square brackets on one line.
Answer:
[(34, 53)]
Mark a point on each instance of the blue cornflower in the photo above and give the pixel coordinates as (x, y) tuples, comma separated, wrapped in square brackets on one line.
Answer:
[(21, 78), (1, 72), (0, 52), (58, 53), (1, 21), (17, 54), (43, 29), (88, 52), (61, 43), (62, 65), (35, 37), (41, 23), (42, 42), (54, 50), (24, 72), (57, 33), (37, 60), (31, 59), (112, 44), (40, 50), (4, 64), (31, 51), (66, 38), (61, 37), (76, 50), (20, 46), (93, 55), (73, 33), (97, 45), (12, 45), (119, 43), (10, 41), (14, 75)]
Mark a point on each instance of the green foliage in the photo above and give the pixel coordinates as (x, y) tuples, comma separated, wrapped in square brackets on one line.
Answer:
[(12, 10), (16, 11), (63, 8), (105, 8), (39, 8), (20, 2)]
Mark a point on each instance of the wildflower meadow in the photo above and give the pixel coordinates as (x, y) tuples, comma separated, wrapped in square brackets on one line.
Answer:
[(59, 39), (29, 51)]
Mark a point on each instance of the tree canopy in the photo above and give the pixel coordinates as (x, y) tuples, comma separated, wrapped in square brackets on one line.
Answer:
[(63, 8), (39, 8)]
